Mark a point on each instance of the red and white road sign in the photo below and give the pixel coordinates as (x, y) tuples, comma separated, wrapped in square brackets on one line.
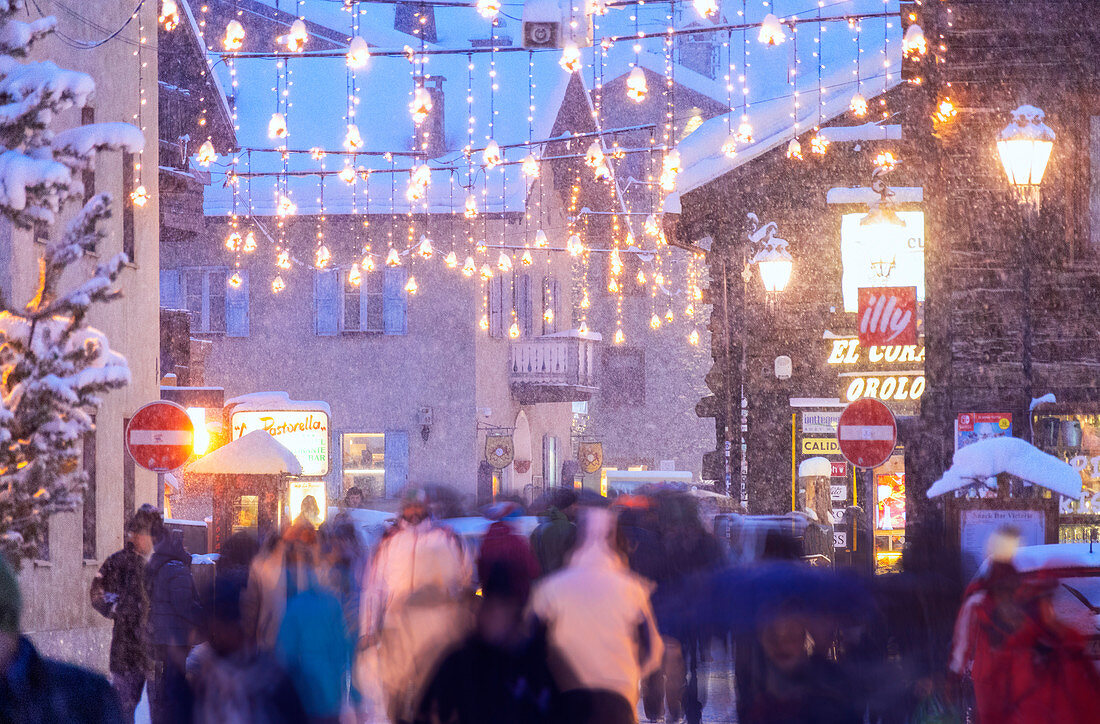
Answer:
[(867, 433), (160, 436)]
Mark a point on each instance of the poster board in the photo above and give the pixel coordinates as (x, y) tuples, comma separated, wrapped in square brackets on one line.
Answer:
[(973, 521)]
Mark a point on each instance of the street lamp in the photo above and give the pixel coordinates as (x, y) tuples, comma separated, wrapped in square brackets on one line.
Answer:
[(773, 257), (884, 225), (1024, 147)]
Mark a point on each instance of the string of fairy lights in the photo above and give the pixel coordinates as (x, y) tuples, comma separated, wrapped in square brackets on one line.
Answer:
[(474, 174)]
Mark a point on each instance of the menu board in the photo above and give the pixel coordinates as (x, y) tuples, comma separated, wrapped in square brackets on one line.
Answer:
[(976, 526)]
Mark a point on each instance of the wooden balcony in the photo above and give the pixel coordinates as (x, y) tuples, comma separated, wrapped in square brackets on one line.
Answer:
[(554, 368)]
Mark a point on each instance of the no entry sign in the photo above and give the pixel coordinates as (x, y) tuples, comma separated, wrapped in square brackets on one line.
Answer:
[(867, 433), (160, 436)]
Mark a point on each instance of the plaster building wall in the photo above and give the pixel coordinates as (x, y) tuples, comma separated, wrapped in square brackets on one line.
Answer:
[(56, 612)]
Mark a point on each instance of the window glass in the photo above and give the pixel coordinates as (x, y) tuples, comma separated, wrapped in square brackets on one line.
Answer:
[(372, 289), (364, 463), (216, 311), (351, 304)]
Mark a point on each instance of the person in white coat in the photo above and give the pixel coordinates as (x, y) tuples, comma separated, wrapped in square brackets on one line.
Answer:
[(598, 619), (415, 604)]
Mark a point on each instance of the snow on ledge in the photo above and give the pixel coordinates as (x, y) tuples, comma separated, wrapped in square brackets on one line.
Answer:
[(865, 132), (975, 463), (256, 453), (864, 195), (262, 401)]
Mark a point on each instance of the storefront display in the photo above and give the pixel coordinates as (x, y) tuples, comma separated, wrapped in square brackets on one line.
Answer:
[(889, 512), (364, 463), (1074, 436)]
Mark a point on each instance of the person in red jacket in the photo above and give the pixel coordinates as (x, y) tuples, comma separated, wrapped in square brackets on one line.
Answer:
[(503, 547)]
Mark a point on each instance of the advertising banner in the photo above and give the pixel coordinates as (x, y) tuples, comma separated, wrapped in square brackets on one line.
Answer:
[(887, 316), (303, 432), (820, 422), (970, 427)]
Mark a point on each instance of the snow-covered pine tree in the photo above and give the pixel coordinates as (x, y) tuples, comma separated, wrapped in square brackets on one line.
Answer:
[(53, 366)]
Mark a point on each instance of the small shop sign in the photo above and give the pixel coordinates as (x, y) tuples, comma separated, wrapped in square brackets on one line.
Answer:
[(820, 446), (303, 432)]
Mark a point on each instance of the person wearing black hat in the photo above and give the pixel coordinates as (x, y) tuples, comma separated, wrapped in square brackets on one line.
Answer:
[(118, 592), (38, 690)]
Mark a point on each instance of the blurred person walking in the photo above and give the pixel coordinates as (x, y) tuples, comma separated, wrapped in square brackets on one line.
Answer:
[(415, 604), (503, 546), (118, 592), (233, 682), (173, 616), (599, 621), (38, 690), (554, 537)]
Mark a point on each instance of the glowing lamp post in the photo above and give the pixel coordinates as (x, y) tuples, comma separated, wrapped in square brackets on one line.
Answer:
[(1024, 147), (773, 256)]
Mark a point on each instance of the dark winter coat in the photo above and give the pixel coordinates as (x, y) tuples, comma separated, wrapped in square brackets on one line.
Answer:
[(37, 690), (118, 592), (503, 548), (553, 540), (173, 609)]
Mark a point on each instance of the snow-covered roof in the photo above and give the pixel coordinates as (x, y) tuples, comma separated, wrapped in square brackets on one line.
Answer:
[(274, 400), (256, 453), (979, 461)]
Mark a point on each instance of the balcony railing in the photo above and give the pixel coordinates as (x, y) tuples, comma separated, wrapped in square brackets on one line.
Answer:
[(555, 368)]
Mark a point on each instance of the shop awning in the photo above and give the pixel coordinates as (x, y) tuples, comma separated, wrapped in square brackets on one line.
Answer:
[(256, 453), (974, 464)]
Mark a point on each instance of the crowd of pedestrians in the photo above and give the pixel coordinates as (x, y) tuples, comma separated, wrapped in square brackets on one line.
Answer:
[(606, 612)]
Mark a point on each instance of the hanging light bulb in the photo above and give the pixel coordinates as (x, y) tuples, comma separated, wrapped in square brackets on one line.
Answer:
[(410, 286), (234, 36), (486, 272), (771, 31), (207, 155), (531, 166), (392, 258), (233, 241), (744, 132), (526, 258), (690, 310), (418, 183), (945, 111), (169, 15), (670, 168), (655, 321), (886, 161), (858, 105), (469, 268), (358, 53), (282, 259), (729, 147), (353, 141), (693, 338), (296, 38), (914, 45), (541, 242), (570, 60), (619, 336), (421, 105), (819, 144), (368, 263), (504, 262), (484, 323), (705, 8), (669, 315), (276, 127), (616, 262), (513, 331), (659, 279), (636, 87), (794, 150), (613, 285), (481, 248), (285, 207), (139, 196), (585, 304), (347, 174), (596, 7), (471, 206), (641, 277), (593, 157), (602, 172), (249, 242), (548, 315), (355, 277), (650, 225), (425, 248), (574, 245), (583, 329), (322, 257), (696, 293), (450, 260), (488, 9), (277, 284), (491, 156)]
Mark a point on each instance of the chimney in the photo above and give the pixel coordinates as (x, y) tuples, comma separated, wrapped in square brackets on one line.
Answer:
[(437, 130)]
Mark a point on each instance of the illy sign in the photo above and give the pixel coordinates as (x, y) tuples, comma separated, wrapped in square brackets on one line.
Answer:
[(887, 316)]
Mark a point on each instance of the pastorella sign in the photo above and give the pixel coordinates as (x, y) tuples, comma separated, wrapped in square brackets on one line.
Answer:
[(303, 432)]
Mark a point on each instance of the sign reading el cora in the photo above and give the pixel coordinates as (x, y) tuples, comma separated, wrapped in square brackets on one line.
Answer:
[(891, 373), (303, 432)]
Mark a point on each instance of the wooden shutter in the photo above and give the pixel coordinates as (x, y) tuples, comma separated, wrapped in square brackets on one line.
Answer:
[(171, 290), (396, 461), (326, 302), (236, 307), (523, 304), (394, 300)]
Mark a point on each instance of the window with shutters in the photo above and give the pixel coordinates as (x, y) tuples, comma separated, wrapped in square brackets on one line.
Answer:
[(396, 461), (524, 307), (378, 304), (551, 305), (205, 293), (508, 294), (129, 238)]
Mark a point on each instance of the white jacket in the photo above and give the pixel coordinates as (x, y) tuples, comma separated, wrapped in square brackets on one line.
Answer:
[(594, 609)]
